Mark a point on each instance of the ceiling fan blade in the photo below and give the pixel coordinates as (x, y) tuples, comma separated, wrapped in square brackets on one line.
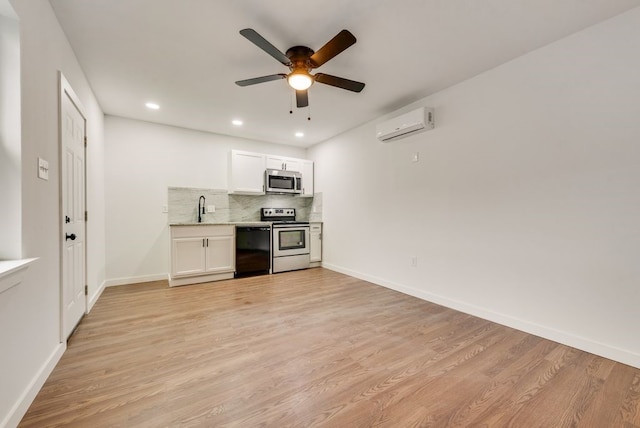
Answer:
[(339, 82), (262, 79), (302, 98), (333, 47), (263, 44)]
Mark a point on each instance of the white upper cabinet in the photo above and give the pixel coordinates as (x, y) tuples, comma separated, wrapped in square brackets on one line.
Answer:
[(246, 173), (306, 169), (286, 164)]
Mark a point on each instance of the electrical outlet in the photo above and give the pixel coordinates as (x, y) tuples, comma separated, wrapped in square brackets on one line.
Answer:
[(211, 208), (414, 261), (165, 209), (415, 157)]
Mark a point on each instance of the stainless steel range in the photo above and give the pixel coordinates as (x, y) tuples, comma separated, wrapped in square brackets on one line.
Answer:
[(290, 239)]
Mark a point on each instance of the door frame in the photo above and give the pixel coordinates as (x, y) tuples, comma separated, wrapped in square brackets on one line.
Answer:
[(65, 89)]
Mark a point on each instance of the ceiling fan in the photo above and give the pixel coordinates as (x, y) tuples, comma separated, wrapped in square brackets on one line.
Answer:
[(301, 60)]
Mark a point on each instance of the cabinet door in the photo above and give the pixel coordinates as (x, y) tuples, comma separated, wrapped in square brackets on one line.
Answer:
[(246, 173), (220, 254), (187, 256), (315, 243), (287, 164), (292, 165), (275, 162), (306, 169)]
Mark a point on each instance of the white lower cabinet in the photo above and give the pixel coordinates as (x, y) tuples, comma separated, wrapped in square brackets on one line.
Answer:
[(202, 253), (315, 244)]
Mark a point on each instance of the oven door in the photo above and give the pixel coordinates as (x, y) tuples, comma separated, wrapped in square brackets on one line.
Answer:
[(290, 241)]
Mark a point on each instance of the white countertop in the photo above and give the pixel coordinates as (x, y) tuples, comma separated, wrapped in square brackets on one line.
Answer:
[(233, 223)]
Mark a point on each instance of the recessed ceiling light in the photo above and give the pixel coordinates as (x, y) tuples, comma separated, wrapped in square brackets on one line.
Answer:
[(152, 106), (299, 134), (236, 122)]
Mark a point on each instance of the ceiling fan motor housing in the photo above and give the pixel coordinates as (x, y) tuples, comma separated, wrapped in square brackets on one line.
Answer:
[(299, 57)]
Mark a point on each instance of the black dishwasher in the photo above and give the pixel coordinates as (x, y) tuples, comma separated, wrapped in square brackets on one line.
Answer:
[(253, 250)]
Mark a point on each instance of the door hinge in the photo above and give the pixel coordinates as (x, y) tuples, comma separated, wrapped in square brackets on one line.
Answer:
[(86, 290), (85, 141), (86, 216)]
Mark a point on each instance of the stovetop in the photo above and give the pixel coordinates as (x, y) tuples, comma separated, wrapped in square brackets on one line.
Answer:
[(281, 216)]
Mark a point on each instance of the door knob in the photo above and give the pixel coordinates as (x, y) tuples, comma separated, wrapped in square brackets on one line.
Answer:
[(72, 237), (67, 219)]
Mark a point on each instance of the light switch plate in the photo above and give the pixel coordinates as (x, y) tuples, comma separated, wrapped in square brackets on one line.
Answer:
[(415, 157), (43, 169), (211, 208), (165, 208)]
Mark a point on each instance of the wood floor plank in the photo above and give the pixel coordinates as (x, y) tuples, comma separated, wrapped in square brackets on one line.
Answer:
[(316, 348)]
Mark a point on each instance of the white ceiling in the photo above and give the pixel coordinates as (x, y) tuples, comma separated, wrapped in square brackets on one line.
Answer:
[(6, 9), (186, 55)]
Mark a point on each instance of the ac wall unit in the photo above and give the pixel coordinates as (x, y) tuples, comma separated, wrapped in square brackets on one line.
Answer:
[(411, 123)]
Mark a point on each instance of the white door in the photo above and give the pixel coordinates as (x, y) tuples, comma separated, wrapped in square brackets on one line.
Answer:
[(72, 173)]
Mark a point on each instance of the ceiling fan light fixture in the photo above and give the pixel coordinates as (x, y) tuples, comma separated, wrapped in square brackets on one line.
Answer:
[(300, 80)]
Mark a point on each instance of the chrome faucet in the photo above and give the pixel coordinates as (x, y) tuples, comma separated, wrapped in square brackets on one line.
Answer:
[(201, 210)]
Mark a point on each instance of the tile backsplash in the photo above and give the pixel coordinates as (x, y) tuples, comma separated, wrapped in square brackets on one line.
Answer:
[(183, 205)]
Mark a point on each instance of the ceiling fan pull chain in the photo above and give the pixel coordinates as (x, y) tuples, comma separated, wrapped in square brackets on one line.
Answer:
[(291, 104), (308, 112)]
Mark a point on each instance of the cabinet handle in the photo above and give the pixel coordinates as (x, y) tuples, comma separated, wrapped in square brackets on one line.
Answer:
[(207, 242), (202, 242)]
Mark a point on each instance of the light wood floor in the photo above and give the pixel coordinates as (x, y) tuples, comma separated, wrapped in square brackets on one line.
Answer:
[(318, 348)]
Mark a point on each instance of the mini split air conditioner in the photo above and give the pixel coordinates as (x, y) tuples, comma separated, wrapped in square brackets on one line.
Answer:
[(411, 123)]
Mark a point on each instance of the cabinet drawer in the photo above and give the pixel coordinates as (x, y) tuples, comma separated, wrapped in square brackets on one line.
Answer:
[(201, 231)]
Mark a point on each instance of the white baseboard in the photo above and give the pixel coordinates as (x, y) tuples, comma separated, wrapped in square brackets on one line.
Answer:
[(200, 279), (136, 279), (585, 344), (92, 301), (26, 398)]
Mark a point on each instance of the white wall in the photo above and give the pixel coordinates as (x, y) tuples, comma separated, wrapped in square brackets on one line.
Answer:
[(525, 205), (10, 241), (30, 312), (142, 160)]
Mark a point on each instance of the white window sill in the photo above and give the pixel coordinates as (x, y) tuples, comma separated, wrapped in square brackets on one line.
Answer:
[(12, 271)]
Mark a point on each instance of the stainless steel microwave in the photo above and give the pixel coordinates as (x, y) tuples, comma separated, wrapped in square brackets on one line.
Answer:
[(279, 181)]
